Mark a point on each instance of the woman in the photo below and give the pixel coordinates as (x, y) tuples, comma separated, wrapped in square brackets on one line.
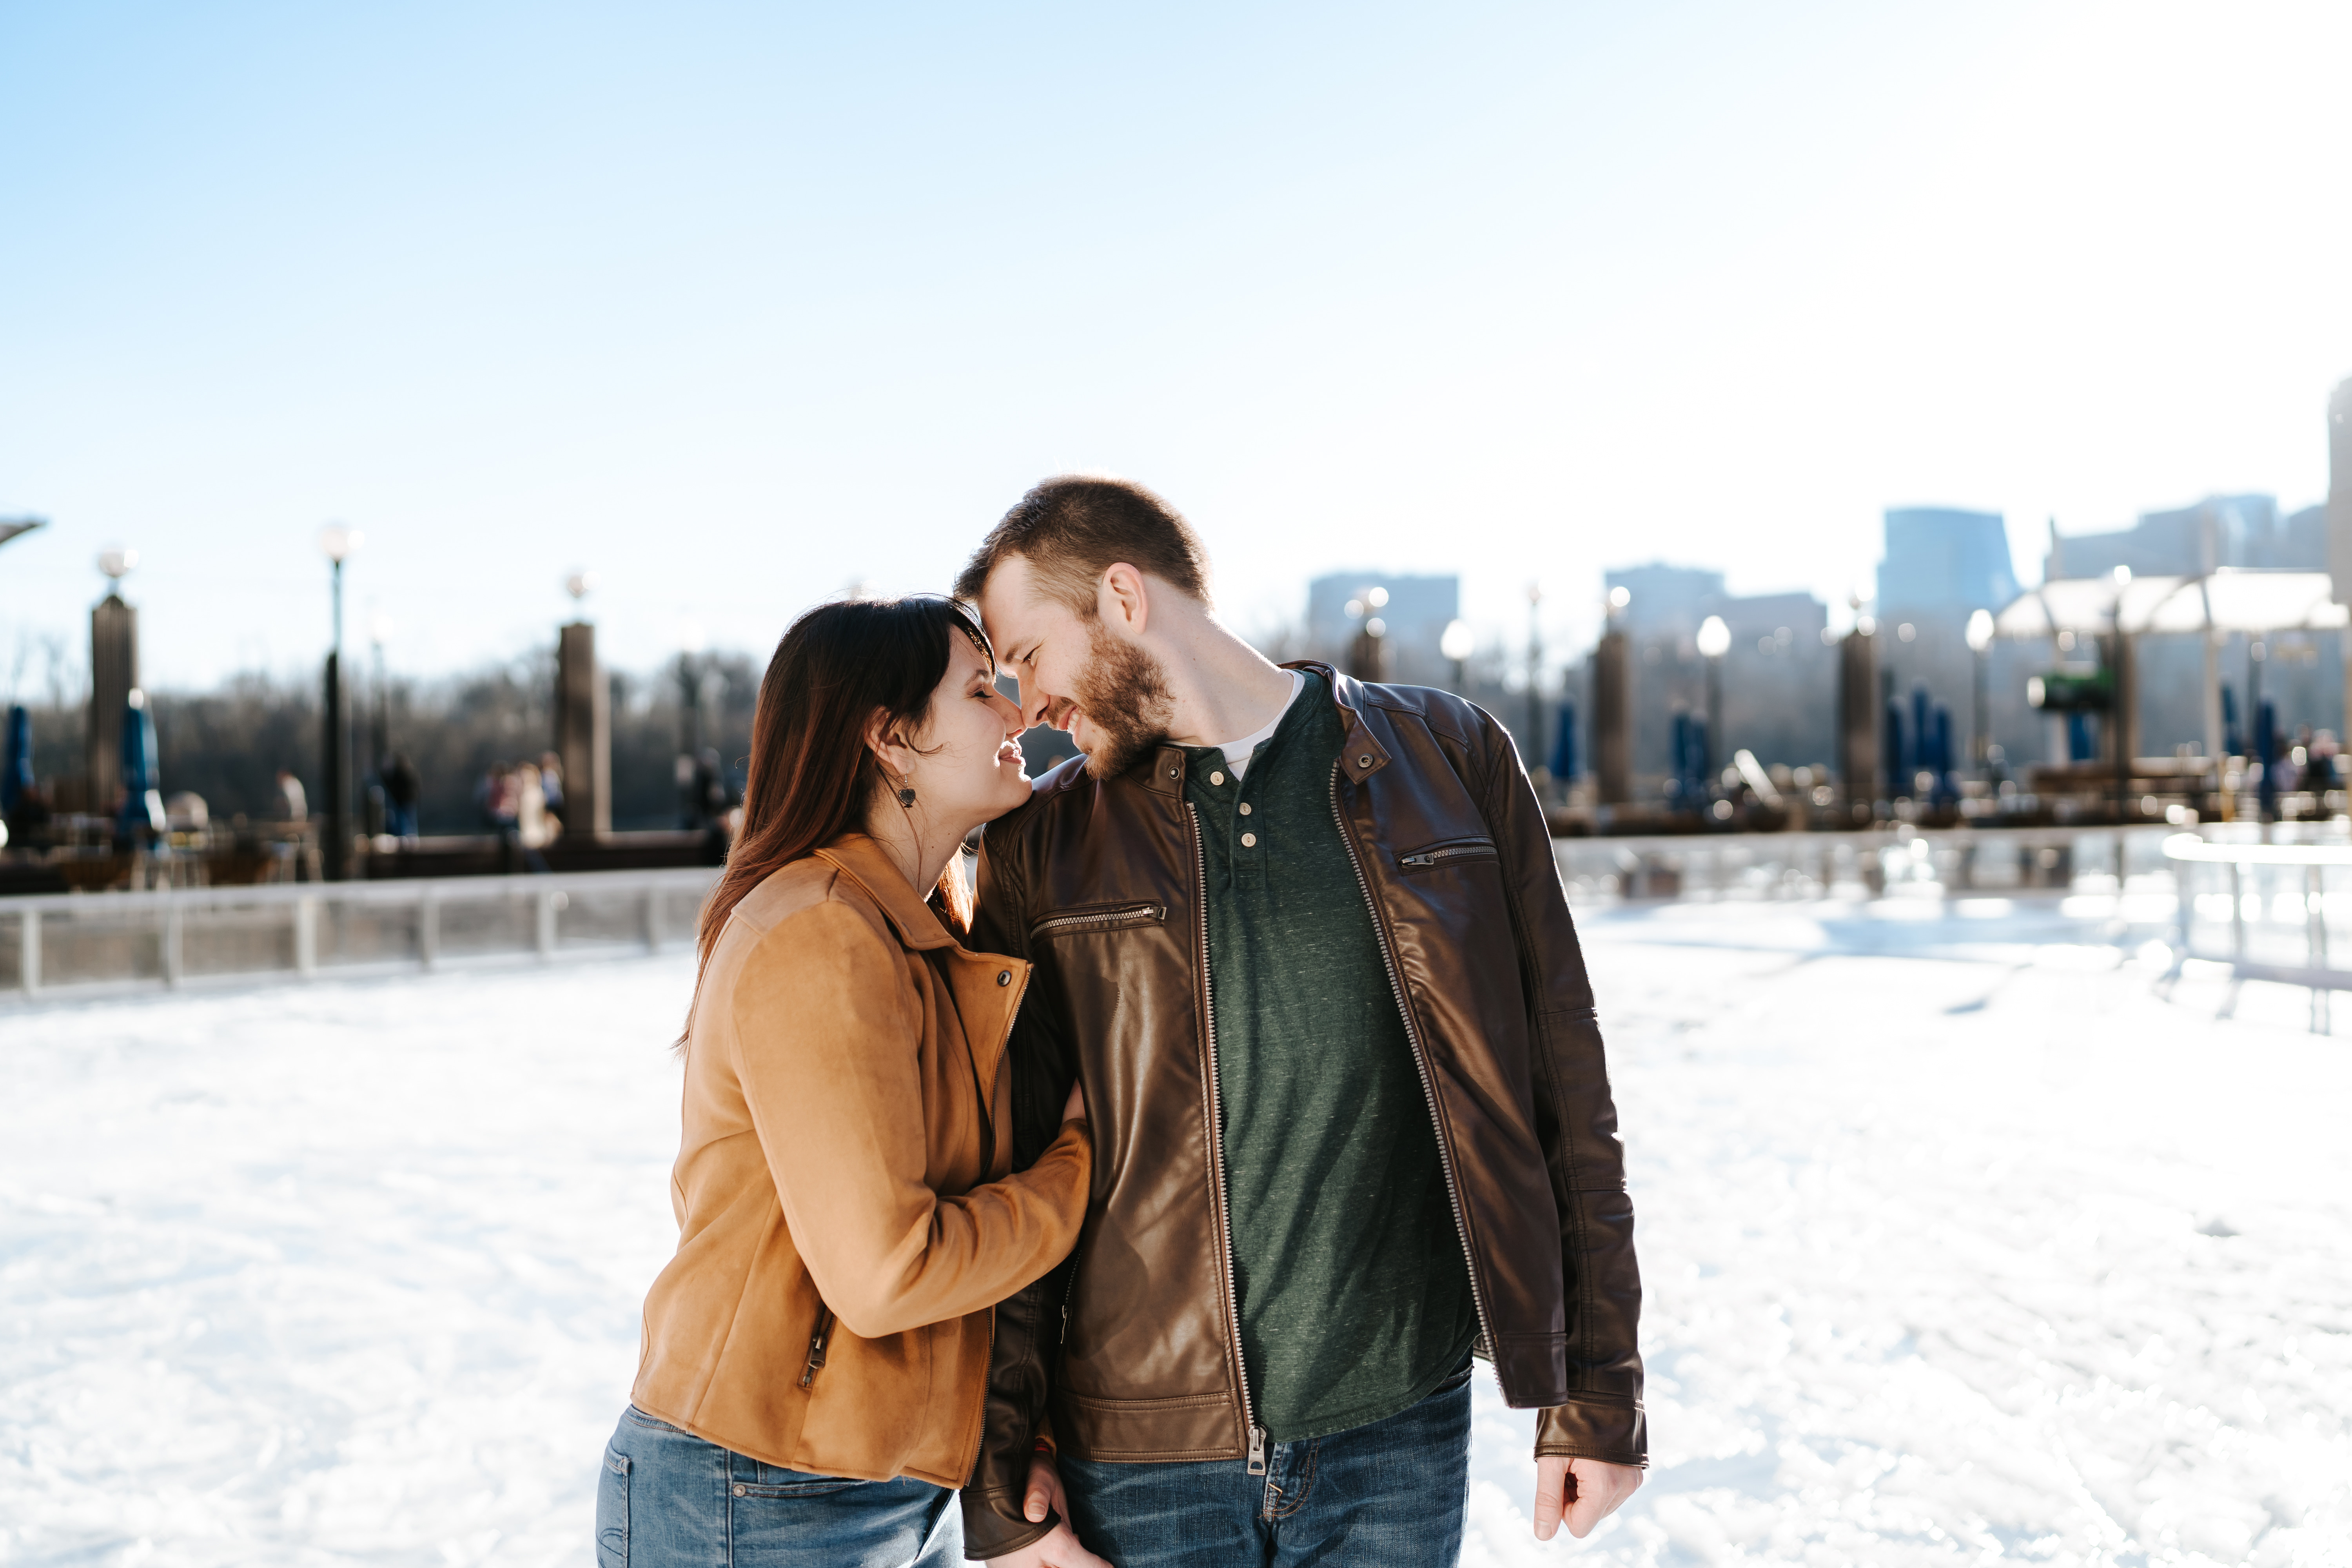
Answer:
[(816, 1353)]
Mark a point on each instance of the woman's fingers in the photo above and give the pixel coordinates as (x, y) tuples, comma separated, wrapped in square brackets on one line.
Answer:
[(1044, 1489), (1063, 1550)]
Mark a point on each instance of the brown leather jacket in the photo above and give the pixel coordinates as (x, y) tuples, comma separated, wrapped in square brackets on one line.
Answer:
[(846, 1205), (1131, 1350)]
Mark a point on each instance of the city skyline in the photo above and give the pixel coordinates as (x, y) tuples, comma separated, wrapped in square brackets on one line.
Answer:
[(735, 308)]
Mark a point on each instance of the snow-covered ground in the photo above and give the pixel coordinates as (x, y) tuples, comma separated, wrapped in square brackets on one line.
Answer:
[(1960, 1244)]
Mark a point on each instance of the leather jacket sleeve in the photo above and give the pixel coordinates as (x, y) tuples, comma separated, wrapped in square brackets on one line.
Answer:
[(1022, 1356), (1576, 1120)]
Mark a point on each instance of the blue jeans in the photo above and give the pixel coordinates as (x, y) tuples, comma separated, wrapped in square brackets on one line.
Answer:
[(667, 1498), (1388, 1494)]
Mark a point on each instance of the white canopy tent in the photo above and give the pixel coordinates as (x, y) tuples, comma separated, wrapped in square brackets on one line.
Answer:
[(2227, 600)]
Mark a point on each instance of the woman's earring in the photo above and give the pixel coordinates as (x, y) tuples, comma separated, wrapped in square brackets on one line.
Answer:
[(906, 796)]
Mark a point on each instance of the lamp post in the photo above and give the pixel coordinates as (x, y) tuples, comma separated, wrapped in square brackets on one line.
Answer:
[(1455, 645), (1979, 636), (1535, 678), (338, 543), (1713, 641), (1368, 652), (379, 632)]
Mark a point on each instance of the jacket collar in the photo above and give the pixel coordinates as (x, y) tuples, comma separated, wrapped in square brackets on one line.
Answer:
[(1361, 753), (865, 862)]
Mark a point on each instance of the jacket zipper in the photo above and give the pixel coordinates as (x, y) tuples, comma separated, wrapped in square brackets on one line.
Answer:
[(1444, 852), (980, 1439), (817, 1338), (1419, 1057), (1097, 918), (1217, 1141)]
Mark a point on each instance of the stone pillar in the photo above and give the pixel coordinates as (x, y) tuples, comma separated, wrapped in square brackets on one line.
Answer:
[(335, 775), (583, 732), (1857, 724), (2339, 522), (1613, 720), (113, 672)]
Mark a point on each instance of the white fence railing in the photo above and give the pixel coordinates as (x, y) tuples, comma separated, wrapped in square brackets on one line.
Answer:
[(69, 942), (1956, 861), (2272, 898)]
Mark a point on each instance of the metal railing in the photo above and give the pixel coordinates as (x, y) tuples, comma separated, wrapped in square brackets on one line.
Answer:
[(1954, 861), (64, 943), (2264, 919)]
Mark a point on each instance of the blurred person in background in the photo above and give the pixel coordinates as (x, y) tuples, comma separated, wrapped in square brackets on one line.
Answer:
[(402, 786), (289, 803), (551, 784), (814, 1358), (1303, 941), (534, 829)]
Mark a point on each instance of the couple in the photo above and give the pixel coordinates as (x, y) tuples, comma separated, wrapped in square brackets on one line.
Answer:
[(1158, 1198)]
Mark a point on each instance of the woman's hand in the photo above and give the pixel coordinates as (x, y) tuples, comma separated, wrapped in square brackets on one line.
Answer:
[(1075, 1107), (1058, 1548)]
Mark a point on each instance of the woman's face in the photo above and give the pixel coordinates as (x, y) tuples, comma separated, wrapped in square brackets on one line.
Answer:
[(967, 767)]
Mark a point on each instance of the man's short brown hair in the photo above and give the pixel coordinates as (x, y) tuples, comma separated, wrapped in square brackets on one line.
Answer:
[(1074, 528)]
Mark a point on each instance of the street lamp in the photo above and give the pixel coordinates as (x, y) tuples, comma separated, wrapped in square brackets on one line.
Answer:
[(1979, 636), (338, 543), (1713, 641), (1535, 677), (380, 633), (1368, 653), (1456, 644)]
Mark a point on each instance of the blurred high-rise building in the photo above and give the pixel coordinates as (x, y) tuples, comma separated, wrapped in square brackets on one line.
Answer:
[(1415, 612), (2219, 531), (1946, 557), (1942, 564)]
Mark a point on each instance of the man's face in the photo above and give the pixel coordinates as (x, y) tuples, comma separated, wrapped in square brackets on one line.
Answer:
[(1075, 672)]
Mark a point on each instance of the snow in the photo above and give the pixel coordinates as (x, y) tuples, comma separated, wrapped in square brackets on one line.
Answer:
[(1962, 1241)]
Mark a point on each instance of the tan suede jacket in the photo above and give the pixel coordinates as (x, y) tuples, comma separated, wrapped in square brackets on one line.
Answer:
[(846, 1217)]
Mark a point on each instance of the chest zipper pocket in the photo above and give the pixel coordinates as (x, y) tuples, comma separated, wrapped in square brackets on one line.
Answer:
[(817, 1338), (1099, 917), (1443, 854)]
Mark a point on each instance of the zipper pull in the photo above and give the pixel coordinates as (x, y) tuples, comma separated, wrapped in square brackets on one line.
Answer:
[(816, 1346), (1422, 859), (1065, 1323), (1258, 1451)]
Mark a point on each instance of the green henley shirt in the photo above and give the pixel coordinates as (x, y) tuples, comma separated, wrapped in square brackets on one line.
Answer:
[(1354, 1296)]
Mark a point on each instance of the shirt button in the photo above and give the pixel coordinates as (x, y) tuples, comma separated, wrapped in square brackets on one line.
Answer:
[(1245, 809), (1004, 977), (740, 1491), (1249, 840), (1216, 778)]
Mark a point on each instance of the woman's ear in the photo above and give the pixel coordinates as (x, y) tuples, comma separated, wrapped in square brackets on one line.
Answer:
[(887, 748)]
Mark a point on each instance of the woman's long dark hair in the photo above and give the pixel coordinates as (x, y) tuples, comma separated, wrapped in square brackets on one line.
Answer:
[(812, 775)]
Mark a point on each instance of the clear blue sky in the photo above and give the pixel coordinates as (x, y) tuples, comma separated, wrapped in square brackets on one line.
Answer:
[(735, 305)]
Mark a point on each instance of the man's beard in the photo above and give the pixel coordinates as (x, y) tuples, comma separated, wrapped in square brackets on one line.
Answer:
[(1124, 694)]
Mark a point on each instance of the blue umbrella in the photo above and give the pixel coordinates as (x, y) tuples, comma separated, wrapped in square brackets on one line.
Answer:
[(17, 776), (143, 802)]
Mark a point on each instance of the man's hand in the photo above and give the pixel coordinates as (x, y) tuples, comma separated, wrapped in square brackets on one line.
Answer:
[(1059, 1548), (1588, 1490)]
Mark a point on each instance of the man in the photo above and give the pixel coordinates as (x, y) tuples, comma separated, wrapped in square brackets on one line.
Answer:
[(1304, 941)]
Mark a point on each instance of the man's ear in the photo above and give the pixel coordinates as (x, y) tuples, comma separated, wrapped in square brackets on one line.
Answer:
[(1123, 599)]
